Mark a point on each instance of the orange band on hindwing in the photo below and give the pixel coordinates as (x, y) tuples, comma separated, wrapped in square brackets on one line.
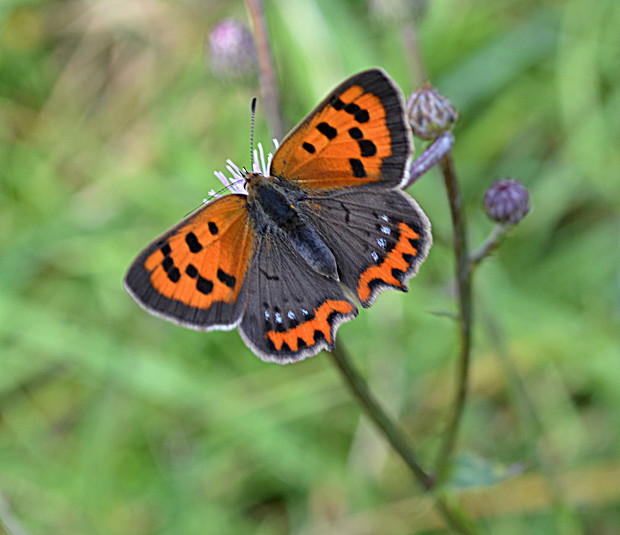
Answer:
[(305, 334), (397, 259)]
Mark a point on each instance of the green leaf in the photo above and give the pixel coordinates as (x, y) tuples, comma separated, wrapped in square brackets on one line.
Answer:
[(470, 470)]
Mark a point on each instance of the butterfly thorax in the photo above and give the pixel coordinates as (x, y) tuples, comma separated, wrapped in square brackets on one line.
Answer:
[(270, 198), (275, 207)]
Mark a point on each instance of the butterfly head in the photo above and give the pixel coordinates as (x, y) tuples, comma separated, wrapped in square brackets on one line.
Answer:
[(252, 179)]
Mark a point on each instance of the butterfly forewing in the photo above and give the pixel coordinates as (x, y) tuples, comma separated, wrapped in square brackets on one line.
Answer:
[(356, 137), (195, 273)]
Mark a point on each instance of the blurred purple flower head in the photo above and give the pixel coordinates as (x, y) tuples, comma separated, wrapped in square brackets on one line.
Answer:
[(507, 201), (231, 49), (397, 11), (430, 113)]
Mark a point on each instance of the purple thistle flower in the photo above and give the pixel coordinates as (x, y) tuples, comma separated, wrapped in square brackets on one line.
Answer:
[(231, 49), (507, 201)]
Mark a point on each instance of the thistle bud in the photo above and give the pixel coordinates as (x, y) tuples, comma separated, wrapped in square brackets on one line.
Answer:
[(430, 113), (506, 201), (231, 49)]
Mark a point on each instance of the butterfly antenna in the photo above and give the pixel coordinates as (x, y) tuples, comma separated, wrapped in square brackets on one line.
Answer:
[(253, 113)]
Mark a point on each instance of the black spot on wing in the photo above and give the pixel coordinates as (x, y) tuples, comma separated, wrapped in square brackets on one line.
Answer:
[(357, 167), (318, 336), (356, 133), (337, 103), (367, 148), (362, 116), (174, 274), (398, 274), (352, 108), (167, 264), (225, 278), (359, 114), (309, 147), (192, 242), (328, 131), (191, 271), (171, 270), (204, 286), (213, 228)]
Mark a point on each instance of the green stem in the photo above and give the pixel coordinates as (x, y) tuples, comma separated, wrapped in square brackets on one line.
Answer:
[(392, 433), (463, 281), (490, 244), (452, 514)]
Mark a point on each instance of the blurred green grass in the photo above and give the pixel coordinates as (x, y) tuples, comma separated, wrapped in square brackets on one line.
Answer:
[(112, 421)]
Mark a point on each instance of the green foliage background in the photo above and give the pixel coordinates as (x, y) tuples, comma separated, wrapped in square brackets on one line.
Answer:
[(112, 421)]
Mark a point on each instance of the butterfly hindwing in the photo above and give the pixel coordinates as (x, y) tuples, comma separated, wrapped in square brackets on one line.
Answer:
[(379, 239), (292, 311), (357, 136), (194, 274)]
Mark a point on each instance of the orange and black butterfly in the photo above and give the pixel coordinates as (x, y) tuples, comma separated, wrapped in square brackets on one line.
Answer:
[(328, 225)]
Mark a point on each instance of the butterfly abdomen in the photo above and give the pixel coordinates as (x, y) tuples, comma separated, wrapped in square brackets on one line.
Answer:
[(307, 242)]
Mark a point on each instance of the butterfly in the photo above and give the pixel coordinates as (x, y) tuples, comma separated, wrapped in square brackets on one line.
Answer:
[(326, 227)]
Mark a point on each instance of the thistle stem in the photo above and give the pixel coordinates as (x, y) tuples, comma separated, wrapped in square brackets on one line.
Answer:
[(451, 513), (390, 430), (437, 150), (463, 281), (269, 85), (489, 245), (411, 47)]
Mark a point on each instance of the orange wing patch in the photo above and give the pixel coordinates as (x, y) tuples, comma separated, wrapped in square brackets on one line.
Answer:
[(205, 259), (194, 274), (356, 136), (306, 332), (396, 259), (351, 150)]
